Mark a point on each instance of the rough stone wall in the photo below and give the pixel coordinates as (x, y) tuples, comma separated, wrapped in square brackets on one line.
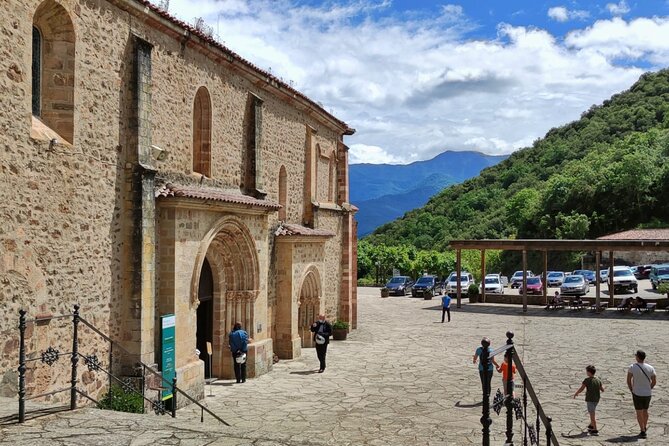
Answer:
[(331, 273), (60, 211), (67, 211)]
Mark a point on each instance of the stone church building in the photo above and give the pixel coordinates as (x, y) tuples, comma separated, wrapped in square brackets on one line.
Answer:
[(148, 170)]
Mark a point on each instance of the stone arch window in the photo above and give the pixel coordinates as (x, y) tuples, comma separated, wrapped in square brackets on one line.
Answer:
[(283, 192), (53, 62), (202, 132), (332, 179)]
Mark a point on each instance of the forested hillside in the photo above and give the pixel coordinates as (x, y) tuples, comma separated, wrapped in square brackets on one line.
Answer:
[(606, 172)]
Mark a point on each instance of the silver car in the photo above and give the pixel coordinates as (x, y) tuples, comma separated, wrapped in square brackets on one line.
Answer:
[(575, 285), (555, 278)]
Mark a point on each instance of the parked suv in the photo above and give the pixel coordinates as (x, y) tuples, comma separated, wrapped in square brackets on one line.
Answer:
[(399, 285), (659, 274), (623, 279), (426, 286), (451, 286), (517, 278), (492, 283)]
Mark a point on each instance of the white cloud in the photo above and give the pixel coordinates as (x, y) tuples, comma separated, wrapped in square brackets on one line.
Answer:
[(620, 8), (361, 153), (414, 86), (559, 13), (562, 14)]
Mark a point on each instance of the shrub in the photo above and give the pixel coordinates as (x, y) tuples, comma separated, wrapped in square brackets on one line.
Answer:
[(473, 290), (663, 288), (340, 324), (121, 401)]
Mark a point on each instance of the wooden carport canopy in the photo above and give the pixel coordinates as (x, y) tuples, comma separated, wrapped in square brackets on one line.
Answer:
[(525, 245)]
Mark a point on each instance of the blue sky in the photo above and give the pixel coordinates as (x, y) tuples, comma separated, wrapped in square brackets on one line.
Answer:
[(416, 78)]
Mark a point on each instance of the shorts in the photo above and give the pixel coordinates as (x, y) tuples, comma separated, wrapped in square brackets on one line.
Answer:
[(592, 405), (641, 402)]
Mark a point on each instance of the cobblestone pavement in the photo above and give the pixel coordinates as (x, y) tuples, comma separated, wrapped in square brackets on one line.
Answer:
[(403, 378)]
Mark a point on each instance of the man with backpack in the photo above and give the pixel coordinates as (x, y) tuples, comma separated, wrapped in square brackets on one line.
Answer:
[(641, 379)]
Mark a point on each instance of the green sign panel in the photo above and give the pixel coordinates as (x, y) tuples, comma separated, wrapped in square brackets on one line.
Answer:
[(167, 364)]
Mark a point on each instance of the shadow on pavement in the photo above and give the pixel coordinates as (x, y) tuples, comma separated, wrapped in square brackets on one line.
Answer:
[(33, 414), (305, 372), (579, 435), (468, 406), (540, 311), (624, 439)]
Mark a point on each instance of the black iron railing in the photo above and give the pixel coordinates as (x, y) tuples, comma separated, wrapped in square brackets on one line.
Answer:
[(52, 355), (516, 408)]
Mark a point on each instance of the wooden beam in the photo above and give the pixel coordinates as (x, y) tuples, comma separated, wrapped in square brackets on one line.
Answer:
[(598, 261), (611, 288), (545, 285), (524, 288), (562, 245), (457, 270), (483, 275)]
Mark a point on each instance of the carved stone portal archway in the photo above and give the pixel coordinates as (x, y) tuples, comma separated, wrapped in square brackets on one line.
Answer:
[(309, 305), (231, 255)]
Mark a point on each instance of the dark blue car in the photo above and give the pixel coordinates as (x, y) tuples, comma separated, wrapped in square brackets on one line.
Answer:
[(589, 275)]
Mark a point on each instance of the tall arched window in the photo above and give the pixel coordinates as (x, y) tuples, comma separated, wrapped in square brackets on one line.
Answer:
[(37, 72), (332, 179), (53, 63), (202, 132), (283, 193)]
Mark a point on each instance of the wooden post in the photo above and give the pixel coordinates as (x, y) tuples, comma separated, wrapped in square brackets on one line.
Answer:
[(457, 280), (545, 281), (611, 290), (598, 260), (483, 275), (524, 287)]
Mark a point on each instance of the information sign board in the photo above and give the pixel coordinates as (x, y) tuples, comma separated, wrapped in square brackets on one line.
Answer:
[(167, 348)]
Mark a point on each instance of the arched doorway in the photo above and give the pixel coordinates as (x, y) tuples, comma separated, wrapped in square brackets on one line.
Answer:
[(231, 263), (205, 315), (309, 306)]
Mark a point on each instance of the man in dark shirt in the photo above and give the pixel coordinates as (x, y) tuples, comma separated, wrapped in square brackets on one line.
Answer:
[(238, 340), (322, 331)]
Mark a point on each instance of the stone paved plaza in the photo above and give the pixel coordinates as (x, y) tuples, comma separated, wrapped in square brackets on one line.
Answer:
[(403, 378)]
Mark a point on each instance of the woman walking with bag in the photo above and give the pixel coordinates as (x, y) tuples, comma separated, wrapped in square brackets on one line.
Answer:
[(238, 340)]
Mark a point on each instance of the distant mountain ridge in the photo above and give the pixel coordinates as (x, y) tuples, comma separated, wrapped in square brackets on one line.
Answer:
[(605, 172), (384, 192)]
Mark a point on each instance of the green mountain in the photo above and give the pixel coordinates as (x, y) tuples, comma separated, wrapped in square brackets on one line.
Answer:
[(603, 173)]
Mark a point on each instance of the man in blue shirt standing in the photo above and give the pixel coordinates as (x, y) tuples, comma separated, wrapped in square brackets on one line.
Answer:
[(238, 340), (445, 307)]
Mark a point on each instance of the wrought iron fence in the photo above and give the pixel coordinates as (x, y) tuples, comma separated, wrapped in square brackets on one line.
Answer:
[(52, 355), (516, 408)]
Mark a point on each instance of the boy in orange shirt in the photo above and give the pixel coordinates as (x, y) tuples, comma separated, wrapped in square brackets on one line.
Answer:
[(504, 370)]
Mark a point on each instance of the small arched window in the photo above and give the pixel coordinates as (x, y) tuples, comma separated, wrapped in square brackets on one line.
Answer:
[(283, 193), (53, 62), (202, 132)]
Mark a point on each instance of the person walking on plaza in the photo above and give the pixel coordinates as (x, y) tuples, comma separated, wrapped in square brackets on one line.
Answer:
[(485, 343), (593, 388), (641, 380), (322, 331), (238, 340), (445, 307)]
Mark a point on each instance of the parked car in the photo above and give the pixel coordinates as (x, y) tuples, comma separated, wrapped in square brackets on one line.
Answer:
[(604, 275), (399, 285), (555, 278), (623, 279), (642, 271), (492, 283), (659, 274), (534, 286), (517, 278), (575, 285), (588, 274), (451, 284), (426, 286)]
